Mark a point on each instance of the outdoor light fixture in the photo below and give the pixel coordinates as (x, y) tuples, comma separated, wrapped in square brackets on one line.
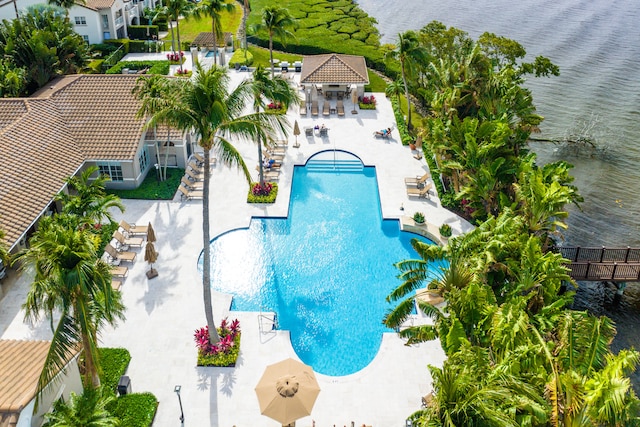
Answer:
[(177, 390)]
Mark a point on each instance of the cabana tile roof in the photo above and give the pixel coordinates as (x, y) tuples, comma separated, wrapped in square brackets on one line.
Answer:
[(334, 69)]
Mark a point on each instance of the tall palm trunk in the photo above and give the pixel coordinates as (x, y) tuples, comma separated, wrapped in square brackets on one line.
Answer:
[(406, 94), (179, 44), (206, 262), (173, 39), (273, 72), (215, 42), (245, 16), (90, 373)]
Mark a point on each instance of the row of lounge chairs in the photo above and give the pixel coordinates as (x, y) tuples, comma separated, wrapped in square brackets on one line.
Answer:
[(117, 251), (277, 154), (418, 186), (192, 183), (326, 109)]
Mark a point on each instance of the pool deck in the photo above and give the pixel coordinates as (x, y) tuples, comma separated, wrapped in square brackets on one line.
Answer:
[(163, 313)]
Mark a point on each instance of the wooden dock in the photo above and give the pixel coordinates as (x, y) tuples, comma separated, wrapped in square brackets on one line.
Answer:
[(603, 264)]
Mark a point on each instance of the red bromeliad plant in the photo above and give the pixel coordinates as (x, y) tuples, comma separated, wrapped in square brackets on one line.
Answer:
[(275, 106), (228, 332), (262, 190), (175, 56)]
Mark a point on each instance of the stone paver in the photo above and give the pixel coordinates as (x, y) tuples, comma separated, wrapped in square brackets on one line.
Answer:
[(163, 313)]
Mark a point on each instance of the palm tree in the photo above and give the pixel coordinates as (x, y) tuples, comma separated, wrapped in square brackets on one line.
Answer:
[(65, 4), (174, 9), (70, 277), (276, 21), (214, 9), (90, 201), (245, 16), (86, 410), (275, 89), (206, 106), (409, 52)]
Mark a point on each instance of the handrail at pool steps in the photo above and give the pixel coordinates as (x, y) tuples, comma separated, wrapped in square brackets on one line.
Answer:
[(428, 230), (334, 164), (267, 322)]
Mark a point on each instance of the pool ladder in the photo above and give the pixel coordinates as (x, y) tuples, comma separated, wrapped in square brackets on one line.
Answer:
[(267, 322)]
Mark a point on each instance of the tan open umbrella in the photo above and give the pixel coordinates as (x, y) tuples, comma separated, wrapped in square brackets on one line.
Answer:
[(296, 132), (287, 391)]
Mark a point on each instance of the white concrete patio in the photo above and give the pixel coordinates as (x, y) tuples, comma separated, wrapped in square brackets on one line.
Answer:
[(163, 313)]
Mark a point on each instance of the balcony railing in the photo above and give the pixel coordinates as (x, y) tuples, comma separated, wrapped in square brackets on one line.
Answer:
[(119, 21)]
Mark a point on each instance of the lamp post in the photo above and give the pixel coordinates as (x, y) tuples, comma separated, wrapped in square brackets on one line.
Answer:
[(157, 166), (177, 390)]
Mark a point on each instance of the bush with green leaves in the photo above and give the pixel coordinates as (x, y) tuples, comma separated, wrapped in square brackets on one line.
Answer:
[(241, 58), (445, 230), (152, 189), (153, 67), (114, 362), (418, 217), (135, 409), (405, 136), (266, 193)]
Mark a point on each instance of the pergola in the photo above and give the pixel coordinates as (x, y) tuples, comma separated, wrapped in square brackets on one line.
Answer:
[(205, 39), (335, 72)]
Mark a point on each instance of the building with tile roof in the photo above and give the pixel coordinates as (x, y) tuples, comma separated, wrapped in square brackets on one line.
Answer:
[(21, 363), (74, 122), (335, 72)]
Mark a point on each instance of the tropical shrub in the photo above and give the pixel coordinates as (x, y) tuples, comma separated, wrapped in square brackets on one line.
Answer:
[(135, 409), (265, 193), (175, 57), (367, 102), (239, 57), (114, 362), (183, 73), (223, 353), (405, 136), (418, 217), (445, 230)]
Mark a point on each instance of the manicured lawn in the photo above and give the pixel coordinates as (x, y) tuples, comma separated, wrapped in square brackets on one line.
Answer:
[(191, 27), (151, 189), (376, 83), (261, 56)]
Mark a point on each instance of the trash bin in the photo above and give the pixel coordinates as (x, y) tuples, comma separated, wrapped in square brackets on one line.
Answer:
[(124, 385)]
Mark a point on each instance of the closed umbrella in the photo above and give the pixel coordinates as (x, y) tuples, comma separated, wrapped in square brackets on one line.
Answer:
[(354, 99), (151, 256), (151, 234), (287, 391), (314, 93), (296, 132)]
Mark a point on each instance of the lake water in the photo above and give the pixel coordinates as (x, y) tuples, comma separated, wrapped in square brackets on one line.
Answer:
[(596, 44)]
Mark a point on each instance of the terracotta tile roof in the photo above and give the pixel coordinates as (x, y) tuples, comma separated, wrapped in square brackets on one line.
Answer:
[(100, 112), (21, 363), (99, 4), (46, 138), (334, 69), (37, 154)]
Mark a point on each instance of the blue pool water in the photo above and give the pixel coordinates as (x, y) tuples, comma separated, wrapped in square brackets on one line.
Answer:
[(325, 270)]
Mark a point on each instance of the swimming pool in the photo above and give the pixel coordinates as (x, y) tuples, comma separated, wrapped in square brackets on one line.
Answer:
[(325, 270)]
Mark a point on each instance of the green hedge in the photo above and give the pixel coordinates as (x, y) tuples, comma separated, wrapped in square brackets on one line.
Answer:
[(139, 32), (155, 67), (114, 362), (405, 136), (134, 410)]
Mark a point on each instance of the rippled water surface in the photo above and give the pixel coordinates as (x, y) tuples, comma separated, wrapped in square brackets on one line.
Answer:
[(596, 43), (325, 270)]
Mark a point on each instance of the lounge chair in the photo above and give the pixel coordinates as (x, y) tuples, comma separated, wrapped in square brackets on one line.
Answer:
[(119, 271), (193, 176), (308, 131), (192, 185), (197, 169), (418, 181), (116, 284), (125, 242), (340, 107), (314, 108), (303, 111), (125, 256), (324, 131), (274, 156), (272, 175), (420, 192), (190, 194), (133, 230), (326, 108), (200, 160)]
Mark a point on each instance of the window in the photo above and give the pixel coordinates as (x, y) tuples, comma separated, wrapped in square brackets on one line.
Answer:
[(144, 159), (85, 38), (112, 170), (80, 20), (106, 35), (105, 22)]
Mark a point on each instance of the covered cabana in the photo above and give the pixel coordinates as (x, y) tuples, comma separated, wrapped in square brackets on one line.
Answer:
[(334, 74)]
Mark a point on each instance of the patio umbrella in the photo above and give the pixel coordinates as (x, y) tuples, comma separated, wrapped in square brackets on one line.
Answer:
[(296, 132), (287, 391), (354, 99), (151, 234), (314, 93), (151, 256)]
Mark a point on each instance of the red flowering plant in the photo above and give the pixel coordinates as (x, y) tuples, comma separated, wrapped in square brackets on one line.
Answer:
[(175, 56), (223, 353), (183, 72), (275, 106), (368, 103), (262, 193)]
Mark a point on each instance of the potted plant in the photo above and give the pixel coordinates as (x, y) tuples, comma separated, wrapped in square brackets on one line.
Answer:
[(412, 145), (418, 217), (445, 230)]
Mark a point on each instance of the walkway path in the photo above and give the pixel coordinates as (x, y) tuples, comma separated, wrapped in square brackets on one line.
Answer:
[(163, 313)]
